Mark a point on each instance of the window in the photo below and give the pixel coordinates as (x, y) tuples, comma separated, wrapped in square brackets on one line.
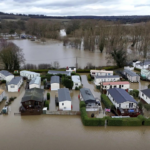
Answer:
[(62, 103), (142, 94), (122, 85), (105, 86), (130, 105), (76, 84), (93, 72), (12, 86), (114, 86)]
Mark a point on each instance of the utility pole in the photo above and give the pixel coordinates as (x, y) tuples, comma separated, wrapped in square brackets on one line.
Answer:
[(76, 63)]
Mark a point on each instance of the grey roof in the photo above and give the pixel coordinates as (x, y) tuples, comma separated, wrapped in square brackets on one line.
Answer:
[(121, 96), (115, 76), (87, 94), (15, 80), (33, 94), (63, 95), (59, 72), (55, 79), (131, 73), (146, 62), (36, 80), (146, 92), (5, 73)]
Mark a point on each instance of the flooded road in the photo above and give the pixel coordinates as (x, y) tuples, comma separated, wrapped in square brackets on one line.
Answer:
[(37, 53), (46, 132)]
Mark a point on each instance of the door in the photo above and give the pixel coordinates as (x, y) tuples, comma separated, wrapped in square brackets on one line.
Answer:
[(120, 86)]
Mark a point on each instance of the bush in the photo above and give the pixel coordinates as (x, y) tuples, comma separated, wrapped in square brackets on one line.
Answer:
[(48, 96), (16, 74), (47, 104), (136, 69), (105, 100), (3, 81), (135, 121), (89, 77), (147, 107), (82, 104), (134, 93), (67, 82)]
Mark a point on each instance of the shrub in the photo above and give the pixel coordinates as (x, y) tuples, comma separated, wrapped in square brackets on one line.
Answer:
[(134, 93), (47, 104), (105, 100), (48, 96), (76, 88), (147, 107), (140, 104), (82, 104), (16, 74), (136, 69), (3, 81), (67, 82), (89, 77)]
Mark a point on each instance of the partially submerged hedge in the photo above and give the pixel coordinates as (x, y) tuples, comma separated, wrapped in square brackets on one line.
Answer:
[(89, 78), (106, 101), (136, 69)]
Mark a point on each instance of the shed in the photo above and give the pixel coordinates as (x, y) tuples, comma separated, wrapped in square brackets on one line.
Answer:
[(64, 99), (35, 83), (29, 74), (55, 72), (87, 96), (15, 84), (2, 94), (6, 75), (55, 83), (76, 81)]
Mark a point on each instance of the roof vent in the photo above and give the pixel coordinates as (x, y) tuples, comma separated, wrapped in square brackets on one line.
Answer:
[(87, 92)]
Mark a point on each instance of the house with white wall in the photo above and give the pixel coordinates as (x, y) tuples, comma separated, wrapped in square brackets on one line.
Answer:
[(123, 102), (94, 73), (76, 81), (35, 83), (2, 94), (6, 75), (55, 72), (55, 83), (71, 69), (64, 99), (145, 95), (142, 64), (104, 86), (132, 76), (15, 84), (99, 79), (29, 74)]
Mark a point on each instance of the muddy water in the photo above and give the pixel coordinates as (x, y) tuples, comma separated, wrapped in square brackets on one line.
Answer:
[(37, 53), (65, 132)]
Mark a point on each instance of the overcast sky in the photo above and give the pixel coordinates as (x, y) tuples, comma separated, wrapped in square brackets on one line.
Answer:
[(76, 7)]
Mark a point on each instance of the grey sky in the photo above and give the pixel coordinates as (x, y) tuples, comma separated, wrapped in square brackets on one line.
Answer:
[(77, 7)]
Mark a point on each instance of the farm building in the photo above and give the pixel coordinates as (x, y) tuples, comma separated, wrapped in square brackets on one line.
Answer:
[(76, 81), (124, 103), (55, 83), (64, 99), (94, 73), (71, 69), (15, 84), (132, 76), (29, 74), (5, 75), (104, 86), (54, 72), (99, 79), (145, 95), (2, 94), (32, 102), (35, 83)]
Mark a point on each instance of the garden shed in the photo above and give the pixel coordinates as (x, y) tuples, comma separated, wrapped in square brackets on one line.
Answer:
[(55, 83)]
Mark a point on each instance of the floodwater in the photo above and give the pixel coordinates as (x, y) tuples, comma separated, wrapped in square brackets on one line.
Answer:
[(54, 132), (37, 53)]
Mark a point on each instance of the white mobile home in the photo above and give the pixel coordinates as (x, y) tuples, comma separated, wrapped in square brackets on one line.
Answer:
[(55, 83), (142, 65), (64, 99), (5, 75), (15, 84), (71, 69), (29, 74), (55, 72), (145, 74), (132, 76), (76, 81), (118, 84), (2, 94), (145, 95), (35, 83), (94, 73), (99, 79)]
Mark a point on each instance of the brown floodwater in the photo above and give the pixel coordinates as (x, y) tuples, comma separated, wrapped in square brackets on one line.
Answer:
[(54, 132), (37, 53)]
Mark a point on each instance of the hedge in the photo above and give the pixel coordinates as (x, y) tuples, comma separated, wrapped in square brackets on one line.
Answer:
[(47, 104), (91, 121), (48, 96), (136, 69), (89, 77), (134, 121), (105, 100), (16, 74), (82, 104)]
